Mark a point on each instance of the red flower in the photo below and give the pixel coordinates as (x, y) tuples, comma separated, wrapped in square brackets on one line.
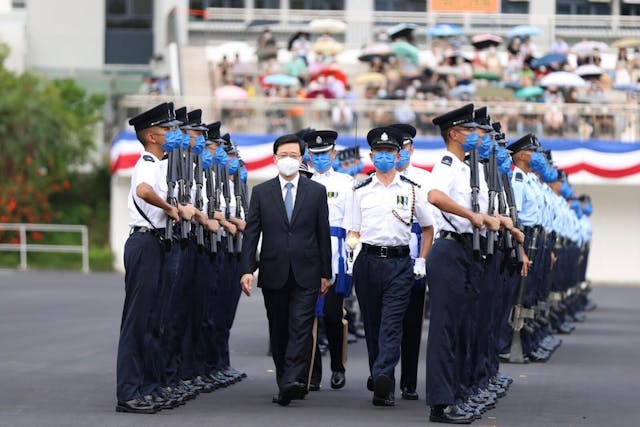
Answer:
[(66, 184), (36, 235), (12, 205)]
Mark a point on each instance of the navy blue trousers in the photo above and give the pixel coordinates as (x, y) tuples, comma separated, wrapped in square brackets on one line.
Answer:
[(412, 335)]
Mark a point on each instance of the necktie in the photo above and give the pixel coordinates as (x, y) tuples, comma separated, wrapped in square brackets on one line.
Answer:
[(288, 200)]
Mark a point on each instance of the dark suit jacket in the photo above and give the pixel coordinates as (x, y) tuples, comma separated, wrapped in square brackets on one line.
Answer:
[(304, 245)]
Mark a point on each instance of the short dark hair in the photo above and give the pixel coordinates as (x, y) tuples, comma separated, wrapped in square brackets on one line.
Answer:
[(288, 139)]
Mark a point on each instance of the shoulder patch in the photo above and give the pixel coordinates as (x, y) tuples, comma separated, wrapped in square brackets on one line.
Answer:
[(519, 176), (148, 158), (446, 160), (363, 183), (405, 179)]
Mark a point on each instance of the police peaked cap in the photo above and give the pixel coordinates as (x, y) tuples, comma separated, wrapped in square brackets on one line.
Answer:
[(407, 132), (194, 121), (482, 119), (160, 115), (527, 142), (462, 116), (319, 141), (228, 146), (213, 132), (384, 137)]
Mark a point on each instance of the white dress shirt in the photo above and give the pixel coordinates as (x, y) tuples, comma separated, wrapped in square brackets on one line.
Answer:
[(294, 189)]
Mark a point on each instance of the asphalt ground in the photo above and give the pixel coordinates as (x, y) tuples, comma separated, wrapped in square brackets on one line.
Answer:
[(59, 332)]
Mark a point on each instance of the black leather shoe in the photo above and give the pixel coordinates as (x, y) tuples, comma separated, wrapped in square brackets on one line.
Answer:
[(136, 406), (382, 391), (291, 391), (449, 414), (409, 393), (337, 380), (314, 386), (370, 384)]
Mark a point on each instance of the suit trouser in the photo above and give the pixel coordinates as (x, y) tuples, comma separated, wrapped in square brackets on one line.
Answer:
[(453, 278), (290, 311), (412, 336), (135, 372), (334, 329), (383, 286)]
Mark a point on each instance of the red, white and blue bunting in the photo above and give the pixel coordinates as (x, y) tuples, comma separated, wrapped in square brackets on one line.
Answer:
[(587, 161)]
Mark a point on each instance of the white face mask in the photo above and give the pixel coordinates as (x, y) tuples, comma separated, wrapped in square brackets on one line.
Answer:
[(288, 166)]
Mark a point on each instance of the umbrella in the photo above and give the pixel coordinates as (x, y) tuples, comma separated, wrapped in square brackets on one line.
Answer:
[(295, 37), (523, 31), (483, 41), (529, 92), (377, 49), (335, 72), (589, 47), (374, 79), (589, 71), (331, 26), (444, 30), (326, 93), (626, 42), (548, 60), (485, 75), (280, 80), (230, 92), (401, 30), (562, 79), (328, 47), (406, 51)]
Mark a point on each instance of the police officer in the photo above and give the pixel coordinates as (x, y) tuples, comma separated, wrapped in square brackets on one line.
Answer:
[(321, 148), (414, 316), (137, 382), (453, 273), (383, 271)]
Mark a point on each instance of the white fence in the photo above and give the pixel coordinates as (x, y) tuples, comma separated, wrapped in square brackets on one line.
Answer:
[(23, 247)]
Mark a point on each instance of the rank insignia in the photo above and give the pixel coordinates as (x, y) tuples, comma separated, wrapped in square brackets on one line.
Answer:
[(402, 201), (332, 194)]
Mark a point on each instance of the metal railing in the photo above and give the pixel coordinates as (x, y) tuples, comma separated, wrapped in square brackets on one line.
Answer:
[(23, 247)]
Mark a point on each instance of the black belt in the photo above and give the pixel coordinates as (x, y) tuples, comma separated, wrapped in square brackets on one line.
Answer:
[(386, 251), (529, 230), (142, 229), (466, 239)]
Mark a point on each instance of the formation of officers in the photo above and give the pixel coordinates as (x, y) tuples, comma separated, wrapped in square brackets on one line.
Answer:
[(493, 243)]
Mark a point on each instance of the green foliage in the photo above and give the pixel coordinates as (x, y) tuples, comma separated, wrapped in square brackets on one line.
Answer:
[(47, 129)]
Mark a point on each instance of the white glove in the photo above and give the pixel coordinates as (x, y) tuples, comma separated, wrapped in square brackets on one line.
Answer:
[(419, 268)]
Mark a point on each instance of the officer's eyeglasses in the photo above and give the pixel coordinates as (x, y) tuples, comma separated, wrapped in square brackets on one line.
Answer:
[(292, 155)]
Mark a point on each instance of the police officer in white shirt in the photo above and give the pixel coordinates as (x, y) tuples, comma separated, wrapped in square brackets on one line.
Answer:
[(381, 216), (321, 148), (143, 261)]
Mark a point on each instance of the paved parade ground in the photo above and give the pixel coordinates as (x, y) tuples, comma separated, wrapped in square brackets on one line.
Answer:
[(58, 339)]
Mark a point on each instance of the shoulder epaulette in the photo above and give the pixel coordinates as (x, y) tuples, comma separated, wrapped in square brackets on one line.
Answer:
[(405, 179), (519, 177), (363, 183), (446, 160), (148, 158)]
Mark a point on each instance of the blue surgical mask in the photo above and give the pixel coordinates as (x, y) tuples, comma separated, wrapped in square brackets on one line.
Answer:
[(199, 145), (575, 206), (405, 156), (321, 161), (587, 209), (336, 165), (538, 162), (185, 141), (243, 174), (505, 165), (359, 167), (550, 174), (470, 142), (565, 190), (233, 165), (221, 156), (207, 159), (384, 161), (484, 150), (172, 140)]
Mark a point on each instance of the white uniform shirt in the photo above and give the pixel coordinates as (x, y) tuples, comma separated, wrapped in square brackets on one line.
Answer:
[(339, 189), (152, 171), (453, 178), (422, 178), (372, 212)]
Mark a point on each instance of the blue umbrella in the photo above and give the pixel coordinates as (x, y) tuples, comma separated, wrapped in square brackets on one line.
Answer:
[(523, 31), (444, 30), (548, 59), (281, 80)]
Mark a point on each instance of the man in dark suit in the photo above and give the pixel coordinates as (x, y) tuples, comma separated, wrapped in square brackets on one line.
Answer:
[(295, 262)]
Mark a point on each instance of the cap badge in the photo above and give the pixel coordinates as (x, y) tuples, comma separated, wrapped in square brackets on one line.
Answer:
[(384, 137), (318, 140)]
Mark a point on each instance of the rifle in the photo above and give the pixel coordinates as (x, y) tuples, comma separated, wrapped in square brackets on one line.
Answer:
[(213, 237), (217, 205), (519, 313), (493, 190), (199, 202), (502, 210), (513, 213), (240, 205), (172, 174), (185, 177), (475, 189), (226, 193)]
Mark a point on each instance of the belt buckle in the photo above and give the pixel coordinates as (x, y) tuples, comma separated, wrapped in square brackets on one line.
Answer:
[(384, 252)]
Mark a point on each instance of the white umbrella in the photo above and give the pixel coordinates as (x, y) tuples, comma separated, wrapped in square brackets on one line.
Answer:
[(589, 70), (562, 79), (331, 26), (589, 47)]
